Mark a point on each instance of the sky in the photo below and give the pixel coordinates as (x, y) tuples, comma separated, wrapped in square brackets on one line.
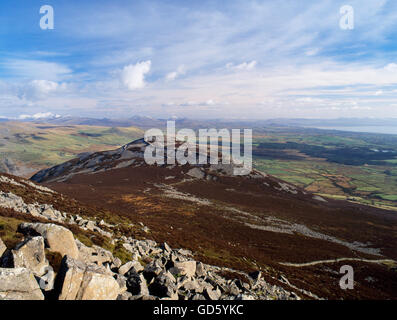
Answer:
[(236, 59)]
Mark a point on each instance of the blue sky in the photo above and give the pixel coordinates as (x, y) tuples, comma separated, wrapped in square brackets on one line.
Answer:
[(203, 59)]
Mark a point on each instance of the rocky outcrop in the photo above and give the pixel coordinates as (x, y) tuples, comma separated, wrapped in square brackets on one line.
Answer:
[(57, 238), (12, 201), (78, 281), (19, 284), (93, 273), (46, 211)]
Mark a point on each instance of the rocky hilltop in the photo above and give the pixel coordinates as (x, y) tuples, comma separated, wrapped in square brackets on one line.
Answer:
[(249, 223), (43, 258), (255, 236)]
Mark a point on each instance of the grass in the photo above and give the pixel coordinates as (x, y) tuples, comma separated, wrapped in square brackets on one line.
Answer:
[(8, 231), (368, 183)]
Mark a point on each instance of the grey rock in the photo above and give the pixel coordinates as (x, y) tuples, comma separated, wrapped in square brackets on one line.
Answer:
[(152, 270), (196, 173), (166, 247), (124, 296), (213, 294), (133, 266), (245, 297), (187, 268), (30, 255), (19, 284), (122, 281), (81, 282), (163, 286), (200, 270), (192, 285), (137, 285), (57, 238), (117, 262)]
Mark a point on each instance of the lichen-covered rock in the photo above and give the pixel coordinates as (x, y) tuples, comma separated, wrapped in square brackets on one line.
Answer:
[(187, 268), (94, 254), (70, 278), (134, 266), (19, 284), (30, 255), (57, 238), (77, 281), (98, 286)]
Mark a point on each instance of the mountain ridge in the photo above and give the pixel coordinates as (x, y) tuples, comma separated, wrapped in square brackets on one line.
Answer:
[(247, 223)]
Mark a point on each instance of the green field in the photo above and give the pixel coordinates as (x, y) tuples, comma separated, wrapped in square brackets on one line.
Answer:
[(354, 166)]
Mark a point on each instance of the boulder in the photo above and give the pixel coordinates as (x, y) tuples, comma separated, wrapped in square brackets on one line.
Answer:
[(166, 247), (30, 255), (124, 296), (94, 254), (47, 280), (134, 266), (3, 248), (19, 284), (213, 294), (57, 238), (187, 268), (98, 286), (77, 281), (200, 270), (152, 270), (122, 281), (198, 297), (70, 278), (137, 285), (192, 285), (163, 286), (117, 263), (196, 173)]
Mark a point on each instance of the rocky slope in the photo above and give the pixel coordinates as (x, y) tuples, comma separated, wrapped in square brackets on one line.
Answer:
[(43, 259)]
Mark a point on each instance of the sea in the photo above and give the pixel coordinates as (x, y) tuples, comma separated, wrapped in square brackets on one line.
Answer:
[(368, 129)]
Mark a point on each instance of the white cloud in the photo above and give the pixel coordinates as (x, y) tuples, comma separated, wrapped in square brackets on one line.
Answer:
[(192, 103), (391, 67), (36, 69), (133, 76), (40, 115), (175, 74), (243, 66), (39, 89)]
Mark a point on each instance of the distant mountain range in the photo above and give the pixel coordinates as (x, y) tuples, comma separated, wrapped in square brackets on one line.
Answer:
[(149, 122)]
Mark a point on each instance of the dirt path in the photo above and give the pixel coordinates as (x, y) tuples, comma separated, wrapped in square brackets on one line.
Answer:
[(313, 263)]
